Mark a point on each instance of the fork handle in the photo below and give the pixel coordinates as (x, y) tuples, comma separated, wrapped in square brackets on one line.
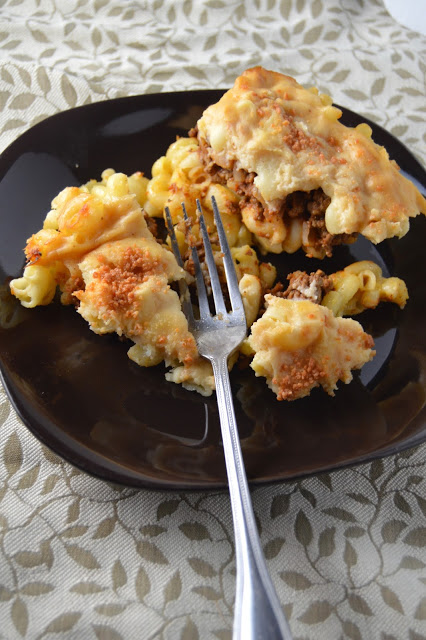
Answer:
[(258, 614)]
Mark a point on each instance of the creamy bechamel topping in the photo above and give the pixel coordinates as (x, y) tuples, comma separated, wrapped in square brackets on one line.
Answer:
[(290, 139), (299, 345)]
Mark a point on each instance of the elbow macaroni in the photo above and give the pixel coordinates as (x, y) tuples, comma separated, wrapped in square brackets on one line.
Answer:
[(36, 287), (361, 286), (80, 220), (180, 177)]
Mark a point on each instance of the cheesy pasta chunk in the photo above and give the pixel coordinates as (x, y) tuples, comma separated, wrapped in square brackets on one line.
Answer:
[(286, 174), (305, 179), (81, 219), (299, 345), (127, 291)]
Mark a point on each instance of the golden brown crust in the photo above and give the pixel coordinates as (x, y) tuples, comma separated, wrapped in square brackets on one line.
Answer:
[(299, 345), (127, 291), (292, 140)]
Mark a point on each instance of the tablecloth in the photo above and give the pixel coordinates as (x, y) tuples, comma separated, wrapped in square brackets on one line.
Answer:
[(81, 558)]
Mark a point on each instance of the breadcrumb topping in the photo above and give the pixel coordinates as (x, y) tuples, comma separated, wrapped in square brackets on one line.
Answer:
[(135, 267), (303, 372)]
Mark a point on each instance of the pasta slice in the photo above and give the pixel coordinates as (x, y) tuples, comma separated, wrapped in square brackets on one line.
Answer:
[(299, 345), (81, 219), (127, 291), (304, 179)]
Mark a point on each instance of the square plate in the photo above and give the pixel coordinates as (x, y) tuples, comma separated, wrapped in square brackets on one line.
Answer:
[(80, 394)]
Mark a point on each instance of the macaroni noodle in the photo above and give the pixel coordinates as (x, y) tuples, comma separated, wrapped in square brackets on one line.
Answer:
[(361, 286)]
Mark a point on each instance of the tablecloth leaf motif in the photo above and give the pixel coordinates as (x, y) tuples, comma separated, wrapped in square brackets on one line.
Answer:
[(392, 529), (359, 497), (69, 93), (73, 511), (350, 556), (86, 588), (422, 503), (142, 584), (318, 611), (195, 531), (36, 588), (420, 613), (340, 514), (105, 528), (359, 604), (173, 588), (29, 559), (207, 592), (309, 496), (62, 623), (351, 630), (295, 580), (152, 530), (410, 562), (354, 540), (29, 478), (391, 599), (104, 632), (326, 542), (303, 529), (110, 610), (19, 615), (5, 594), (272, 548), (167, 508), (223, 634), (202, 567), (150, 551), (49, 483), (22, 101), (13, 454), (416, 537), (74, 531), (82, 556), (280, 505), (190, 630), (118, 575)]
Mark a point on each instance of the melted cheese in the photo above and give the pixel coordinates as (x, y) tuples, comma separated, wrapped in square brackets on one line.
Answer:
[(127, 291), (300, 345), (291, 138)]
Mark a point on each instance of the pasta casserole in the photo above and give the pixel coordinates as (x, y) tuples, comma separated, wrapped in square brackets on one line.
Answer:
[(305, 179), (287, 175)]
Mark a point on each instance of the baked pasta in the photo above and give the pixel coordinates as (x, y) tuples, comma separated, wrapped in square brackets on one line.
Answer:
[(96, 245), (299, 345), (305, 180), (361, 286), (286, 175)]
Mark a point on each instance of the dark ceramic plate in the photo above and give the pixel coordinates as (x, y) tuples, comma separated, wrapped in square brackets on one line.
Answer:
[(80, 394)]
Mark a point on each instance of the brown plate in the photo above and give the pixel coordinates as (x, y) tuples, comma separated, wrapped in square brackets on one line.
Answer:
[(80, 394)]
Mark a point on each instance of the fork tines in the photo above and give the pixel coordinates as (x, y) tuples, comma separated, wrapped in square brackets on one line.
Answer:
[(231, 276)]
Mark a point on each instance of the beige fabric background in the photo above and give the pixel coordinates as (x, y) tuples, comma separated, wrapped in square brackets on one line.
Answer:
[(82, 559)]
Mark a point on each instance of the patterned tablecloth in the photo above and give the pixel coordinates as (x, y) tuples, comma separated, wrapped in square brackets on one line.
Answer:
[(80, 558)]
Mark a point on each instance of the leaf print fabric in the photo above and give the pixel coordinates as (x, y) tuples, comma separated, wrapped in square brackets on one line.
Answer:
[(80, 558)]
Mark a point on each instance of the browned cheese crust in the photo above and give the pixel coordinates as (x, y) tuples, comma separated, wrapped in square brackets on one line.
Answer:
[(306, 180)]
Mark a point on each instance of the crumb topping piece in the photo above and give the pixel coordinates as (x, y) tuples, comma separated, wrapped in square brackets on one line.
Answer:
[(127, 290), (290, 140), (299, 345)]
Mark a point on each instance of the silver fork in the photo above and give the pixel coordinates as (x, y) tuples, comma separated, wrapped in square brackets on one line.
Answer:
[(258, 613)]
